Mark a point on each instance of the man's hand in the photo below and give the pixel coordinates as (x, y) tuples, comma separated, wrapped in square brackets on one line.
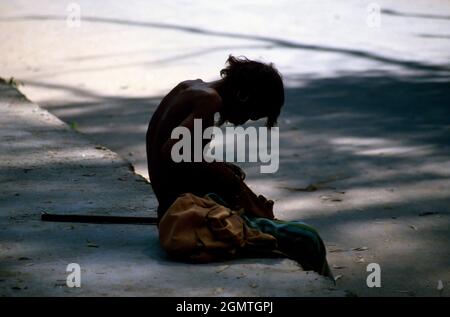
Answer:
[(268, 203), (236, 170)]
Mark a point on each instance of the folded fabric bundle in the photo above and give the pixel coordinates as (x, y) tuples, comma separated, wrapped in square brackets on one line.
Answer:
[(201, 230), (204, 229)]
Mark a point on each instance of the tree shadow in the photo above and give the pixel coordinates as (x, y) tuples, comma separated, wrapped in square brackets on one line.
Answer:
[(379, 138), (380, 143), (152, 64), (415, 15), (435, 36), (276, 42)]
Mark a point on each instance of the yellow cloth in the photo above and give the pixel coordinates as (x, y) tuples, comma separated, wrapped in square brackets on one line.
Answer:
[(199, 229)]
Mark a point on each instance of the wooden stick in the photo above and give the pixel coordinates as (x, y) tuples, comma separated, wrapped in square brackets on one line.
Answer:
[(100, 219)]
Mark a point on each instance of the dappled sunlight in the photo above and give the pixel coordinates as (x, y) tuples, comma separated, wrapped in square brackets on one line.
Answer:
[(437, 168), (378, 146), (51, 154), (359, 198), (355, 141), (398, 150), (384, 236), (268, 187)]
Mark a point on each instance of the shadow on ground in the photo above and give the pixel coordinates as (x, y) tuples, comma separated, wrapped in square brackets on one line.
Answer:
[(374, 144), (274, 42), (377, 145)]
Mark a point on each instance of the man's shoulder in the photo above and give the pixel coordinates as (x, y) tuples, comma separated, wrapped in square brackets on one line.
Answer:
[(199, 93)]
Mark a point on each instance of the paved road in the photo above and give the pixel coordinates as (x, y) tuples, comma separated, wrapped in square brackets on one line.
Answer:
[(46, 166)]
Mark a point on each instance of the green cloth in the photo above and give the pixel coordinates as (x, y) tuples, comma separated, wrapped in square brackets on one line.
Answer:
[(296, 240)]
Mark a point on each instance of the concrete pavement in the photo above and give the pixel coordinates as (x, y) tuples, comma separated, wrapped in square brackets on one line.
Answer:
[(47, 166)]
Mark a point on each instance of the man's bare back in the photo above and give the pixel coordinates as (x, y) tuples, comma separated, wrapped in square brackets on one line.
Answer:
[(188, 100), (183, 101)]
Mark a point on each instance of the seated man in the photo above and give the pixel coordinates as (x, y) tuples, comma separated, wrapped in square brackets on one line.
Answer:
[(248, 90)]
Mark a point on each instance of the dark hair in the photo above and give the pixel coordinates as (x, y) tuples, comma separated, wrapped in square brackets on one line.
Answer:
[(262, 82)]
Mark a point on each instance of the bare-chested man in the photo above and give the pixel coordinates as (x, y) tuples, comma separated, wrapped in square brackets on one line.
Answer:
[(248, 90)]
